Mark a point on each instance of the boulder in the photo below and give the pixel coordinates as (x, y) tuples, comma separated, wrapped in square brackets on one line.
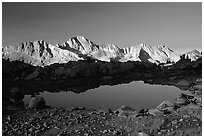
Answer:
[(125, 111), (198, 100), (192, 110), (143, 112), (193, 106), (186, 96), (181, 101), (133, 114), (197, 87), (37, 102), (126, 108), (127, 114), (164, 105), (154, 112)]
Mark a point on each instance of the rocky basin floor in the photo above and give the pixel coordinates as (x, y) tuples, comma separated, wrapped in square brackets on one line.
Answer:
[(183, 117)]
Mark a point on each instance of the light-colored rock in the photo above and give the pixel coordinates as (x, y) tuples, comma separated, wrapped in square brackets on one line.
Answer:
[(125, 111), (181, 101), (133, 114), (198, 100), (165, 104), (126, 108), (193, 106), (197, 87), (154, 112)]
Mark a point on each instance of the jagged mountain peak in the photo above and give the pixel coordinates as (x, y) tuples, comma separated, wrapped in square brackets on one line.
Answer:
[(80, 44), (41, 53), (38, 53)]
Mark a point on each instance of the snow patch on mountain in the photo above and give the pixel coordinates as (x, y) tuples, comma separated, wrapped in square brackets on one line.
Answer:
[(192, 55), (40, 53)]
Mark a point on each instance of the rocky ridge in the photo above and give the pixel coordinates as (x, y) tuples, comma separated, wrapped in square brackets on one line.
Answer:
[(41, 53), (192, 55)]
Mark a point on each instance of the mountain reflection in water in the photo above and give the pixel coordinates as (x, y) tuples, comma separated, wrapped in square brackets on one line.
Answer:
[(136, 94)]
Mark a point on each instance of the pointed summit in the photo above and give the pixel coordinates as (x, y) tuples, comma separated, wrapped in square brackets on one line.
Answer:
[(80, 44), (143, 45), (79, 38)]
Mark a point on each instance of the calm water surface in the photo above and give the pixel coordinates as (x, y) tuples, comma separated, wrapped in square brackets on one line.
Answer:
[(135, 94)]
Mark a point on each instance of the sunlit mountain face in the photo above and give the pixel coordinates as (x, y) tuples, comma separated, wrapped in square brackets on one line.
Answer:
[(41, 53)]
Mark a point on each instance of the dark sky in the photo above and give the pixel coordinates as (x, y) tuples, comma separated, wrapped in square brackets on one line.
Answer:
[(176, 25)]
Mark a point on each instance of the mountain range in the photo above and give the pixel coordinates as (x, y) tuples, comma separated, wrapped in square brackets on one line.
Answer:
[(41, 53)]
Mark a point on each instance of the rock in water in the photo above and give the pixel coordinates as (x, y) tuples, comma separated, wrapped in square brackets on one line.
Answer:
[(37, 102)]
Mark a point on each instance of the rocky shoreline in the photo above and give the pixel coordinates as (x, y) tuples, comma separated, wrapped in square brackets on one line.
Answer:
[(183, 117)]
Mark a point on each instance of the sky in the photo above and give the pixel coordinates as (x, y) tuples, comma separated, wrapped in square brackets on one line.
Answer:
[(176, 25)]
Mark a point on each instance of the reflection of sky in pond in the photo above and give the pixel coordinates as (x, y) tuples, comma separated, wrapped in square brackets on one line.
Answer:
[(135, 94)]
